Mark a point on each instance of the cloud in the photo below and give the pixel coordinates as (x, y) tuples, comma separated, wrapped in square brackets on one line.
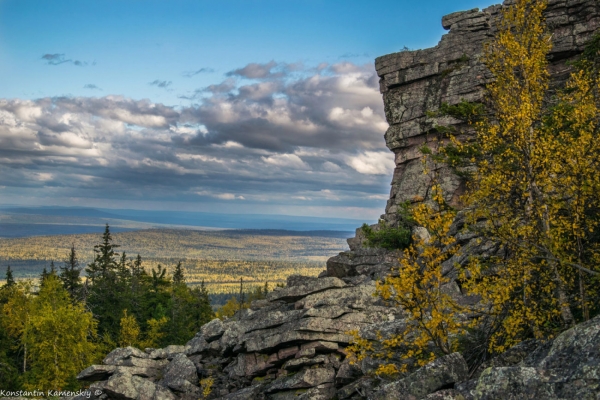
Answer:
[(189, 74), (286, 161), (91, 86), (257, 71), (160, 84), (373, 163), (308, 135), (59, 58)]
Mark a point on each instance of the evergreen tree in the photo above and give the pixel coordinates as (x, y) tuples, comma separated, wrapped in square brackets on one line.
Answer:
[(69, 274), (105, 259), (107, 294), (10, 281), (178, 277)]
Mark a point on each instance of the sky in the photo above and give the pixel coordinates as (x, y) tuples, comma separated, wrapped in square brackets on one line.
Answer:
[(230, 106)]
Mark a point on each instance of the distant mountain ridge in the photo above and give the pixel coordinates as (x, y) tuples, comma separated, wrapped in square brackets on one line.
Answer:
[(98, 216)]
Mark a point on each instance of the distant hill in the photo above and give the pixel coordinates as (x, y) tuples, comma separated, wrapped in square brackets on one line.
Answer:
[(142, 219)]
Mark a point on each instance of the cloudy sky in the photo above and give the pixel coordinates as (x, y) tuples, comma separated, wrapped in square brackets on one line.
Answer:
[(236, 106)]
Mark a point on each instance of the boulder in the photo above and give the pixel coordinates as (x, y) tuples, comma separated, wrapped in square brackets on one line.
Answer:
[(129, 387), (439, 374), (180, 368), (212, 330), (118, 354)]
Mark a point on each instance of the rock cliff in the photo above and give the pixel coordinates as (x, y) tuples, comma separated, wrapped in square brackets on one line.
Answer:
[(292, 344)]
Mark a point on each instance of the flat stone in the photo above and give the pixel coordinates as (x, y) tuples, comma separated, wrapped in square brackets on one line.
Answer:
[(297, 363), (118, 354), (306, 378), (168, 352), (96, 373), (320, 346), (294, 293), (142, 362), (287, 352)]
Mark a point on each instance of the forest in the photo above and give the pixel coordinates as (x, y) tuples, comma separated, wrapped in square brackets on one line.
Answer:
[(91, 307)]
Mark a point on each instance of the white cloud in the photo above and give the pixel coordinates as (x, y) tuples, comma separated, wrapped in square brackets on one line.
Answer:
[(373, 163), (286, 161)]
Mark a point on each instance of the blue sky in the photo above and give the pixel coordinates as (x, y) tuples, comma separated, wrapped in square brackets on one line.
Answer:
[(242, 106)]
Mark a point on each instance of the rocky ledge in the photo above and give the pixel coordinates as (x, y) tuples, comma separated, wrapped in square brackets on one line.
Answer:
[(291, 346)]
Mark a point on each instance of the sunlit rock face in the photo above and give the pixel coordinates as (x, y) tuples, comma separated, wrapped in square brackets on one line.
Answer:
[(291, 345)]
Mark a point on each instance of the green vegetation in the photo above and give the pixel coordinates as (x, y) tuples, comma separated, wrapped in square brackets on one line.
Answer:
[(390, 237)]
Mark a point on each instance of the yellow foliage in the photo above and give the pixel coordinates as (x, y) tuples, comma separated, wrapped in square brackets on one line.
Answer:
[(130, 331), (155, 332), (54, 332), (536, 187), (206, 385)]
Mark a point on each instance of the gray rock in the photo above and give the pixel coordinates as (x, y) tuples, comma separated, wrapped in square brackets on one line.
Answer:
[(96, 373), (294, 293), (298, 363), (142, 362), (181, 368), (299, 280), (347, 373), (212, 330), (306, 378), (196, 346), (118, 354), (128, 387), (447, 394), (168, 352), (249, 393), (434, 376)]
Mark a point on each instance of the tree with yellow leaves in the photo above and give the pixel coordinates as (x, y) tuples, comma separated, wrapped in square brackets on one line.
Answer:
[(129, 333), (537, 185), (55, 334), (422, 290)]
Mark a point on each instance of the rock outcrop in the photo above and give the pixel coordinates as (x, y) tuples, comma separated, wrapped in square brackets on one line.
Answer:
[(566, 368), (292, 344)]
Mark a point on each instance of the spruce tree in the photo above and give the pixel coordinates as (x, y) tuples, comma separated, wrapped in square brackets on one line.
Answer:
[(69, 274), (10, 281)]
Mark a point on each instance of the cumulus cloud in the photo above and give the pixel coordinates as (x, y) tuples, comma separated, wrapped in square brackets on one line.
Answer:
[(59, 58), (309, 135)]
